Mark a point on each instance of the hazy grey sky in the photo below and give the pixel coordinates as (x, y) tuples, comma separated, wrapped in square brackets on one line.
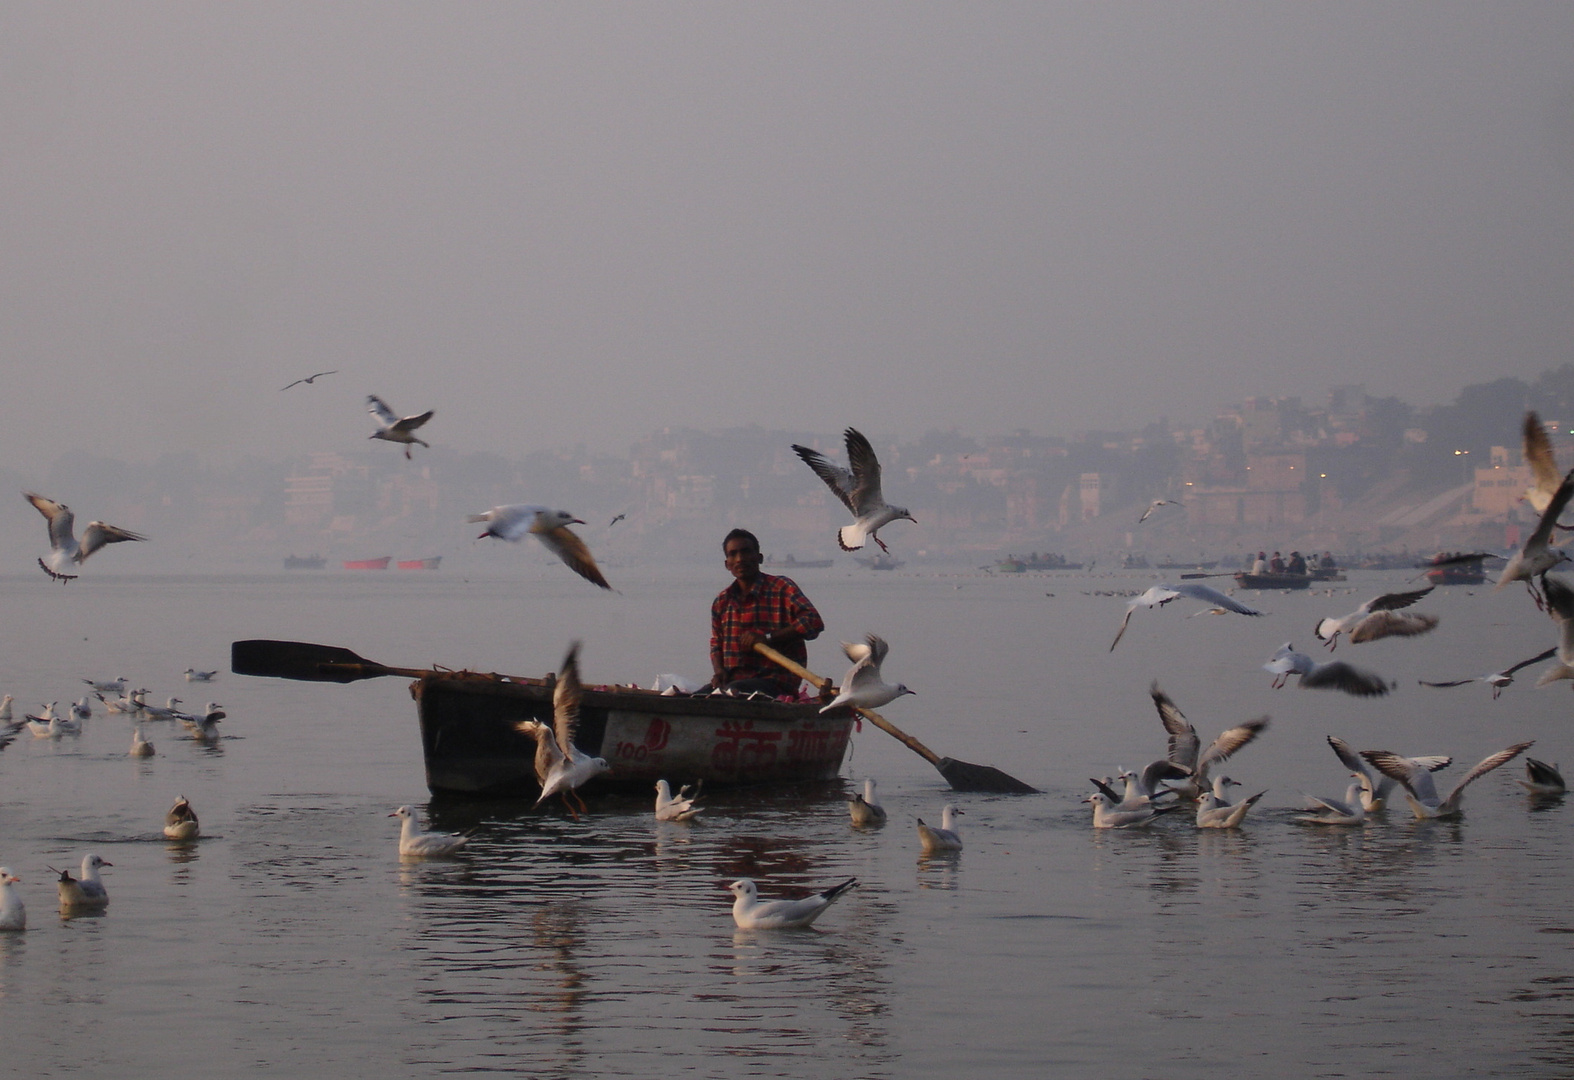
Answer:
[(579, 222)]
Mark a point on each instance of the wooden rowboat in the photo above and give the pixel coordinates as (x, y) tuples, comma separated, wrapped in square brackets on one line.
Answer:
[(472, 745), (1273, 581)]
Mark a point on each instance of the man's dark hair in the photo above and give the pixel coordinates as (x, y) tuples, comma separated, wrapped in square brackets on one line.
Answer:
[(740, 534)]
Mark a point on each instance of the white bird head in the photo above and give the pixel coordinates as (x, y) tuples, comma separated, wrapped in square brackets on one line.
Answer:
[(6, 877), (903, 512), (547, 520), (91, 864), (663, 789), (403, 812), (743, 887)]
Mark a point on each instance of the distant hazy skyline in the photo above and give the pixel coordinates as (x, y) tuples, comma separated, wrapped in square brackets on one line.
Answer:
[(562, 223)]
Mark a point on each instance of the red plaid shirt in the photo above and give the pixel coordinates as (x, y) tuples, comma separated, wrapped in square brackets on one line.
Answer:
[(775, 604)]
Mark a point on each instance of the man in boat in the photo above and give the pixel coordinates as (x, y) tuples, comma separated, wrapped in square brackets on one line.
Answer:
[(1296, 565), (757, 607)]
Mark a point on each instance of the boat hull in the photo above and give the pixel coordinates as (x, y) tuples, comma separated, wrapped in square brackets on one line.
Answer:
[(1273, 581), (473, 746), (368, 564), (429, 563)]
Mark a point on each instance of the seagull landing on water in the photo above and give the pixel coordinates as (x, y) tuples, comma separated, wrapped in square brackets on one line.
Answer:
[(859, 489), (1154, 505), (1417, 780), (551, 527), (752, 913), (396, 428), (415, 844), (1538, 555), (862, 686), (64, 548), (1334, 675), (560, 765), (309, 379), (1186, 754), (1379, 617), (1375, 787), (1161, 594)]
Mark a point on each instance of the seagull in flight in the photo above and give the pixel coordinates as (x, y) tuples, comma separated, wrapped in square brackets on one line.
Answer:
[(551, 527), (1162, 594), (752, 913), (1497, 680), (859, 489), (64, 548), (309, 379), (396, 428), (1543, 465), (1154, 505), (560, 765), (862, 687), (1417, 780), (1379, 617), (615, 520), (1375, 787), (1538, 555), (1334, 675)]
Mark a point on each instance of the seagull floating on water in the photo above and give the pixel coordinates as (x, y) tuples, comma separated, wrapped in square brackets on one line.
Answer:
[(679, 807), (64, 548), (1379, 617), (862, 686), (859, 490), (1213, 812), (87, 894), (1108, 814), (118, 686), (865, 810), (180, 823), (13, 914), (1540, 779), (140, 747), (752, 913), (1162, 594), (415, 844), (1417, 780), (551, 527), (395, 428), (560, 765), (193, 675), (946, 837), (1327, 811), (1334, 675)]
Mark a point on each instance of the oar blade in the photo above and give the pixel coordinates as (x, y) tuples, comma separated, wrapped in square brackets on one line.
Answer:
[(963, 776), (300, 660)]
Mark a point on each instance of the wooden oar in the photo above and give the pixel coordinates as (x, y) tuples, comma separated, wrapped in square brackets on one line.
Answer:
[(1194, 577), (961, 775), (306, 662)]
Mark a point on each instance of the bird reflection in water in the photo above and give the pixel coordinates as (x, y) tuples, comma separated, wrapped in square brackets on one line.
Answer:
[(558, 936)]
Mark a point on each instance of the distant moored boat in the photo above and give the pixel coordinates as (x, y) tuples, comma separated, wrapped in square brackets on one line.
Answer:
[(428, 563), (368, 564), (305, 562)]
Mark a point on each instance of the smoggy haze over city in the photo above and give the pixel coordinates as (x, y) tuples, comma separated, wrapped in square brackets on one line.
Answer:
[(561, 224)]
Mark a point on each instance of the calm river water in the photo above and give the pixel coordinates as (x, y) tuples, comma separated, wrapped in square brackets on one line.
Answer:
[(292, 940)]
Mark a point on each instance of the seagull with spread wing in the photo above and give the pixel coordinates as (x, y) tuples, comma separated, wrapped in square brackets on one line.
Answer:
[(1538, 555), (560, 765), (1154, 505), (863, 687), (1379, 617), (1422, 792), (1159, 595), (1375, 787), (396, 428), (64, 548), (551, 527), (1560, 605), (859, 489), (308, 380), (1497, 680), (1185, 747), (1334, 675), (1546, 479)]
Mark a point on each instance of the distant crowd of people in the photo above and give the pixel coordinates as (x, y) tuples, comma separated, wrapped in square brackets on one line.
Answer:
[(1296, 564)]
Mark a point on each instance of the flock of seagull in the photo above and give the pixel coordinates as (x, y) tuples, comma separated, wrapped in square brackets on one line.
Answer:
[(1181, 778)]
